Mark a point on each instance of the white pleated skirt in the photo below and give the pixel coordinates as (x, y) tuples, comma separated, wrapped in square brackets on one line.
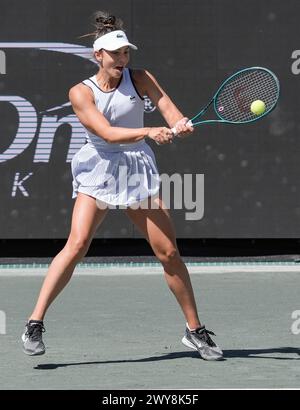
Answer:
[(116, 175)]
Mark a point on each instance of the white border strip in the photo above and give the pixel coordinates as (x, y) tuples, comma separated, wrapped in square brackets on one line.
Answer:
[(156, 270)]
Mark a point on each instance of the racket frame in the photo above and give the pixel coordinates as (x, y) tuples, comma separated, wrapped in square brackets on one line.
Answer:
[(214, 100)]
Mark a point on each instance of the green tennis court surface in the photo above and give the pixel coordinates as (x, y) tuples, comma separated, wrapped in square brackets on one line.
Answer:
[(119, 327)]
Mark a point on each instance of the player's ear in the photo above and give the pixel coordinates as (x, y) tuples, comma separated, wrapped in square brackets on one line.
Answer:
[(98, 56)]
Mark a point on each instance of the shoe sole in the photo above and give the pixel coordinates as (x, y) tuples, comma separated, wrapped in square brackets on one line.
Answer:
[(187, 343), (33, 354)]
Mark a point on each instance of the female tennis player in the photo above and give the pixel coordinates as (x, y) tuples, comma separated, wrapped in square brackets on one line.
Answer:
[(110, 106)]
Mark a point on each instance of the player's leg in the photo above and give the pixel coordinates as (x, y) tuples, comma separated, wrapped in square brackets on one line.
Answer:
[(157, 227), (85, 220)]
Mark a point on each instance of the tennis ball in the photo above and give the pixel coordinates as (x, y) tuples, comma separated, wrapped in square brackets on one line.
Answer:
[(258, 107)]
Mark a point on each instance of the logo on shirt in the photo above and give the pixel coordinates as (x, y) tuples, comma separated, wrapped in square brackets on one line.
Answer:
[(148, 105), (120, 36)]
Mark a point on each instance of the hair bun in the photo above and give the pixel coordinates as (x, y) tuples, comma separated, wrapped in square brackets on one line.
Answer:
[(110, 20), (104, 22)]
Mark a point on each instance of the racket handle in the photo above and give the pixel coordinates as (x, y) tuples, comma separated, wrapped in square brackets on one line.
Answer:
[(174, 131)]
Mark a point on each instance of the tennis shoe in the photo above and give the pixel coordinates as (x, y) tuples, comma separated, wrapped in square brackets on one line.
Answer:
[(32, 338), (199, 339)]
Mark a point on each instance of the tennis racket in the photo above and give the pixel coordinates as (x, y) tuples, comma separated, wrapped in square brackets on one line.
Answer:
[(233, 100)]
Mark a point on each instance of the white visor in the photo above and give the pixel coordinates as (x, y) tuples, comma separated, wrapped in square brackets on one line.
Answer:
[(113, 41)]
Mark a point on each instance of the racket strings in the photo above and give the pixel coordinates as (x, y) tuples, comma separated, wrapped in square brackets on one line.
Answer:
[(233, 103)]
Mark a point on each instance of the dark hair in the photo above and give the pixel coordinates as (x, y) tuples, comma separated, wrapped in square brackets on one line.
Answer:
[(104, 23)]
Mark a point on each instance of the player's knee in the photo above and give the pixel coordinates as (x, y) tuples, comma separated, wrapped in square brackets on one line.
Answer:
[(78, 247), (168, 256)]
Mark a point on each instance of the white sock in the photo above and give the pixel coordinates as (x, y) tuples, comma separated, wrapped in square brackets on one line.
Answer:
[(191, 330)]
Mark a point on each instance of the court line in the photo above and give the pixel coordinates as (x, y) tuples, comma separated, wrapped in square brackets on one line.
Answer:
[(154, 269)]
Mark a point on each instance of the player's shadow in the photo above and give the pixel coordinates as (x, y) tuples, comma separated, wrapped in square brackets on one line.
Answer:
[(272, 353), (228, 354)]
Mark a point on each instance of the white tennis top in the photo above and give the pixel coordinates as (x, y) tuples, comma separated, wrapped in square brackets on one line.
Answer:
[(122, 107)]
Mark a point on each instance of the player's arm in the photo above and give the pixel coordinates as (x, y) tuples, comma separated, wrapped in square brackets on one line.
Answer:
[(83, 104), (148, 85)]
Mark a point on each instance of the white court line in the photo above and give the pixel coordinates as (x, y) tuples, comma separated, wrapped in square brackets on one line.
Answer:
[(157, 270)]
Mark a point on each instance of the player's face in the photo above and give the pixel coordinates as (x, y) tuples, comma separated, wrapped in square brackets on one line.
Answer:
[(114, 62)]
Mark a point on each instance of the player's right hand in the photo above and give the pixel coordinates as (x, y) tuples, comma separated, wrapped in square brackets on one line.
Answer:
[(161, 135)]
